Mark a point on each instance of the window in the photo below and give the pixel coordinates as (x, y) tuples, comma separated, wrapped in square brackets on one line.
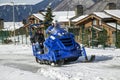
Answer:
[(35, 21), (94, 22), (100, 22)]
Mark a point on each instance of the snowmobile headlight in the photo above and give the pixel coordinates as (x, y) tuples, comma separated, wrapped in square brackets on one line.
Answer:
[(59, 34), (52, 37), (63, 33)]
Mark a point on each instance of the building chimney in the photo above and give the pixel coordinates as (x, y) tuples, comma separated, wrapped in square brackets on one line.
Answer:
[(79, 10), (111, 6)]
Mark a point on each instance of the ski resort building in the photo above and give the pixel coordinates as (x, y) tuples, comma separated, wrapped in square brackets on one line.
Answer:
[(90, 26), (86, 27), (62, 17)]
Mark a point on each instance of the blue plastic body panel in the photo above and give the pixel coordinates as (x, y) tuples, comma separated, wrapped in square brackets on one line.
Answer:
[(61, 45)]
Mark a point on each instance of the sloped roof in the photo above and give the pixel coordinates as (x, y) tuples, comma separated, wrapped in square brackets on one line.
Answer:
[(68, 14), (10, 25), (115, 13), (99, 14), (39, 16), (79, 18), (102, 15), (64, 19), (114, 25), (61, 16)]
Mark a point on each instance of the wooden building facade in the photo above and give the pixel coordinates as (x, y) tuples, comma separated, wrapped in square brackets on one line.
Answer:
[(93, 24)]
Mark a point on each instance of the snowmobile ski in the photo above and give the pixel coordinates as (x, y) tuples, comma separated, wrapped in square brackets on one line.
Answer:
[(92, 58)]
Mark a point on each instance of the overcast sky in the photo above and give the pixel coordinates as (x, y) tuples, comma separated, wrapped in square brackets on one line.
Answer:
[(21, 1)]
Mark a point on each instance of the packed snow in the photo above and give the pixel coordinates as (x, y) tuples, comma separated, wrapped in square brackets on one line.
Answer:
[(18, 63)]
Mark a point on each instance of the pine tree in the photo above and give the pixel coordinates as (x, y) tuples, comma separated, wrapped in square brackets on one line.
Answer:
[(48, 17)]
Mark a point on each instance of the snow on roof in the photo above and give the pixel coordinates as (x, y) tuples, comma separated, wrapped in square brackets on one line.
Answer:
[(114, 25), (101, 15), (40, 16), (9, 25), (64, 18), (64, 13), (79, 18), (115, 13), (58, 15)]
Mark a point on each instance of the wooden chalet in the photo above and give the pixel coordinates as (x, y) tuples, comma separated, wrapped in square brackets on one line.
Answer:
[(98, 21)]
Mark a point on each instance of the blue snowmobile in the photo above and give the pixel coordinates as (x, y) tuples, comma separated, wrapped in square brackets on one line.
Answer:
[(59, 48)]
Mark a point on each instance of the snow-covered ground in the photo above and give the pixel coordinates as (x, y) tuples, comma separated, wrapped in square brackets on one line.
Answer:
[(18, 63)]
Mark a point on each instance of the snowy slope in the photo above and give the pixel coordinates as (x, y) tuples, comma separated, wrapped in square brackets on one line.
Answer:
[(17, 63)]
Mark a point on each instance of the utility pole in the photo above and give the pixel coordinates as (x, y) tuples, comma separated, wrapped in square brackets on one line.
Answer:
[(14, 22)]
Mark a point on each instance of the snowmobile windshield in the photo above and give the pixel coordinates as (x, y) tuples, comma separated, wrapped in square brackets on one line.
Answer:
[(58, 32)]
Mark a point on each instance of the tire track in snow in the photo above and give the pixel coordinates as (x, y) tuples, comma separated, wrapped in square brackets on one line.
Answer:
[(24, 67), (22, 62)]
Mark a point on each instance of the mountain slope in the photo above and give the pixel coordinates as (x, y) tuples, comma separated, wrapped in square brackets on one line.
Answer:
[(89, 6), (70, 4), (23, 11)]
